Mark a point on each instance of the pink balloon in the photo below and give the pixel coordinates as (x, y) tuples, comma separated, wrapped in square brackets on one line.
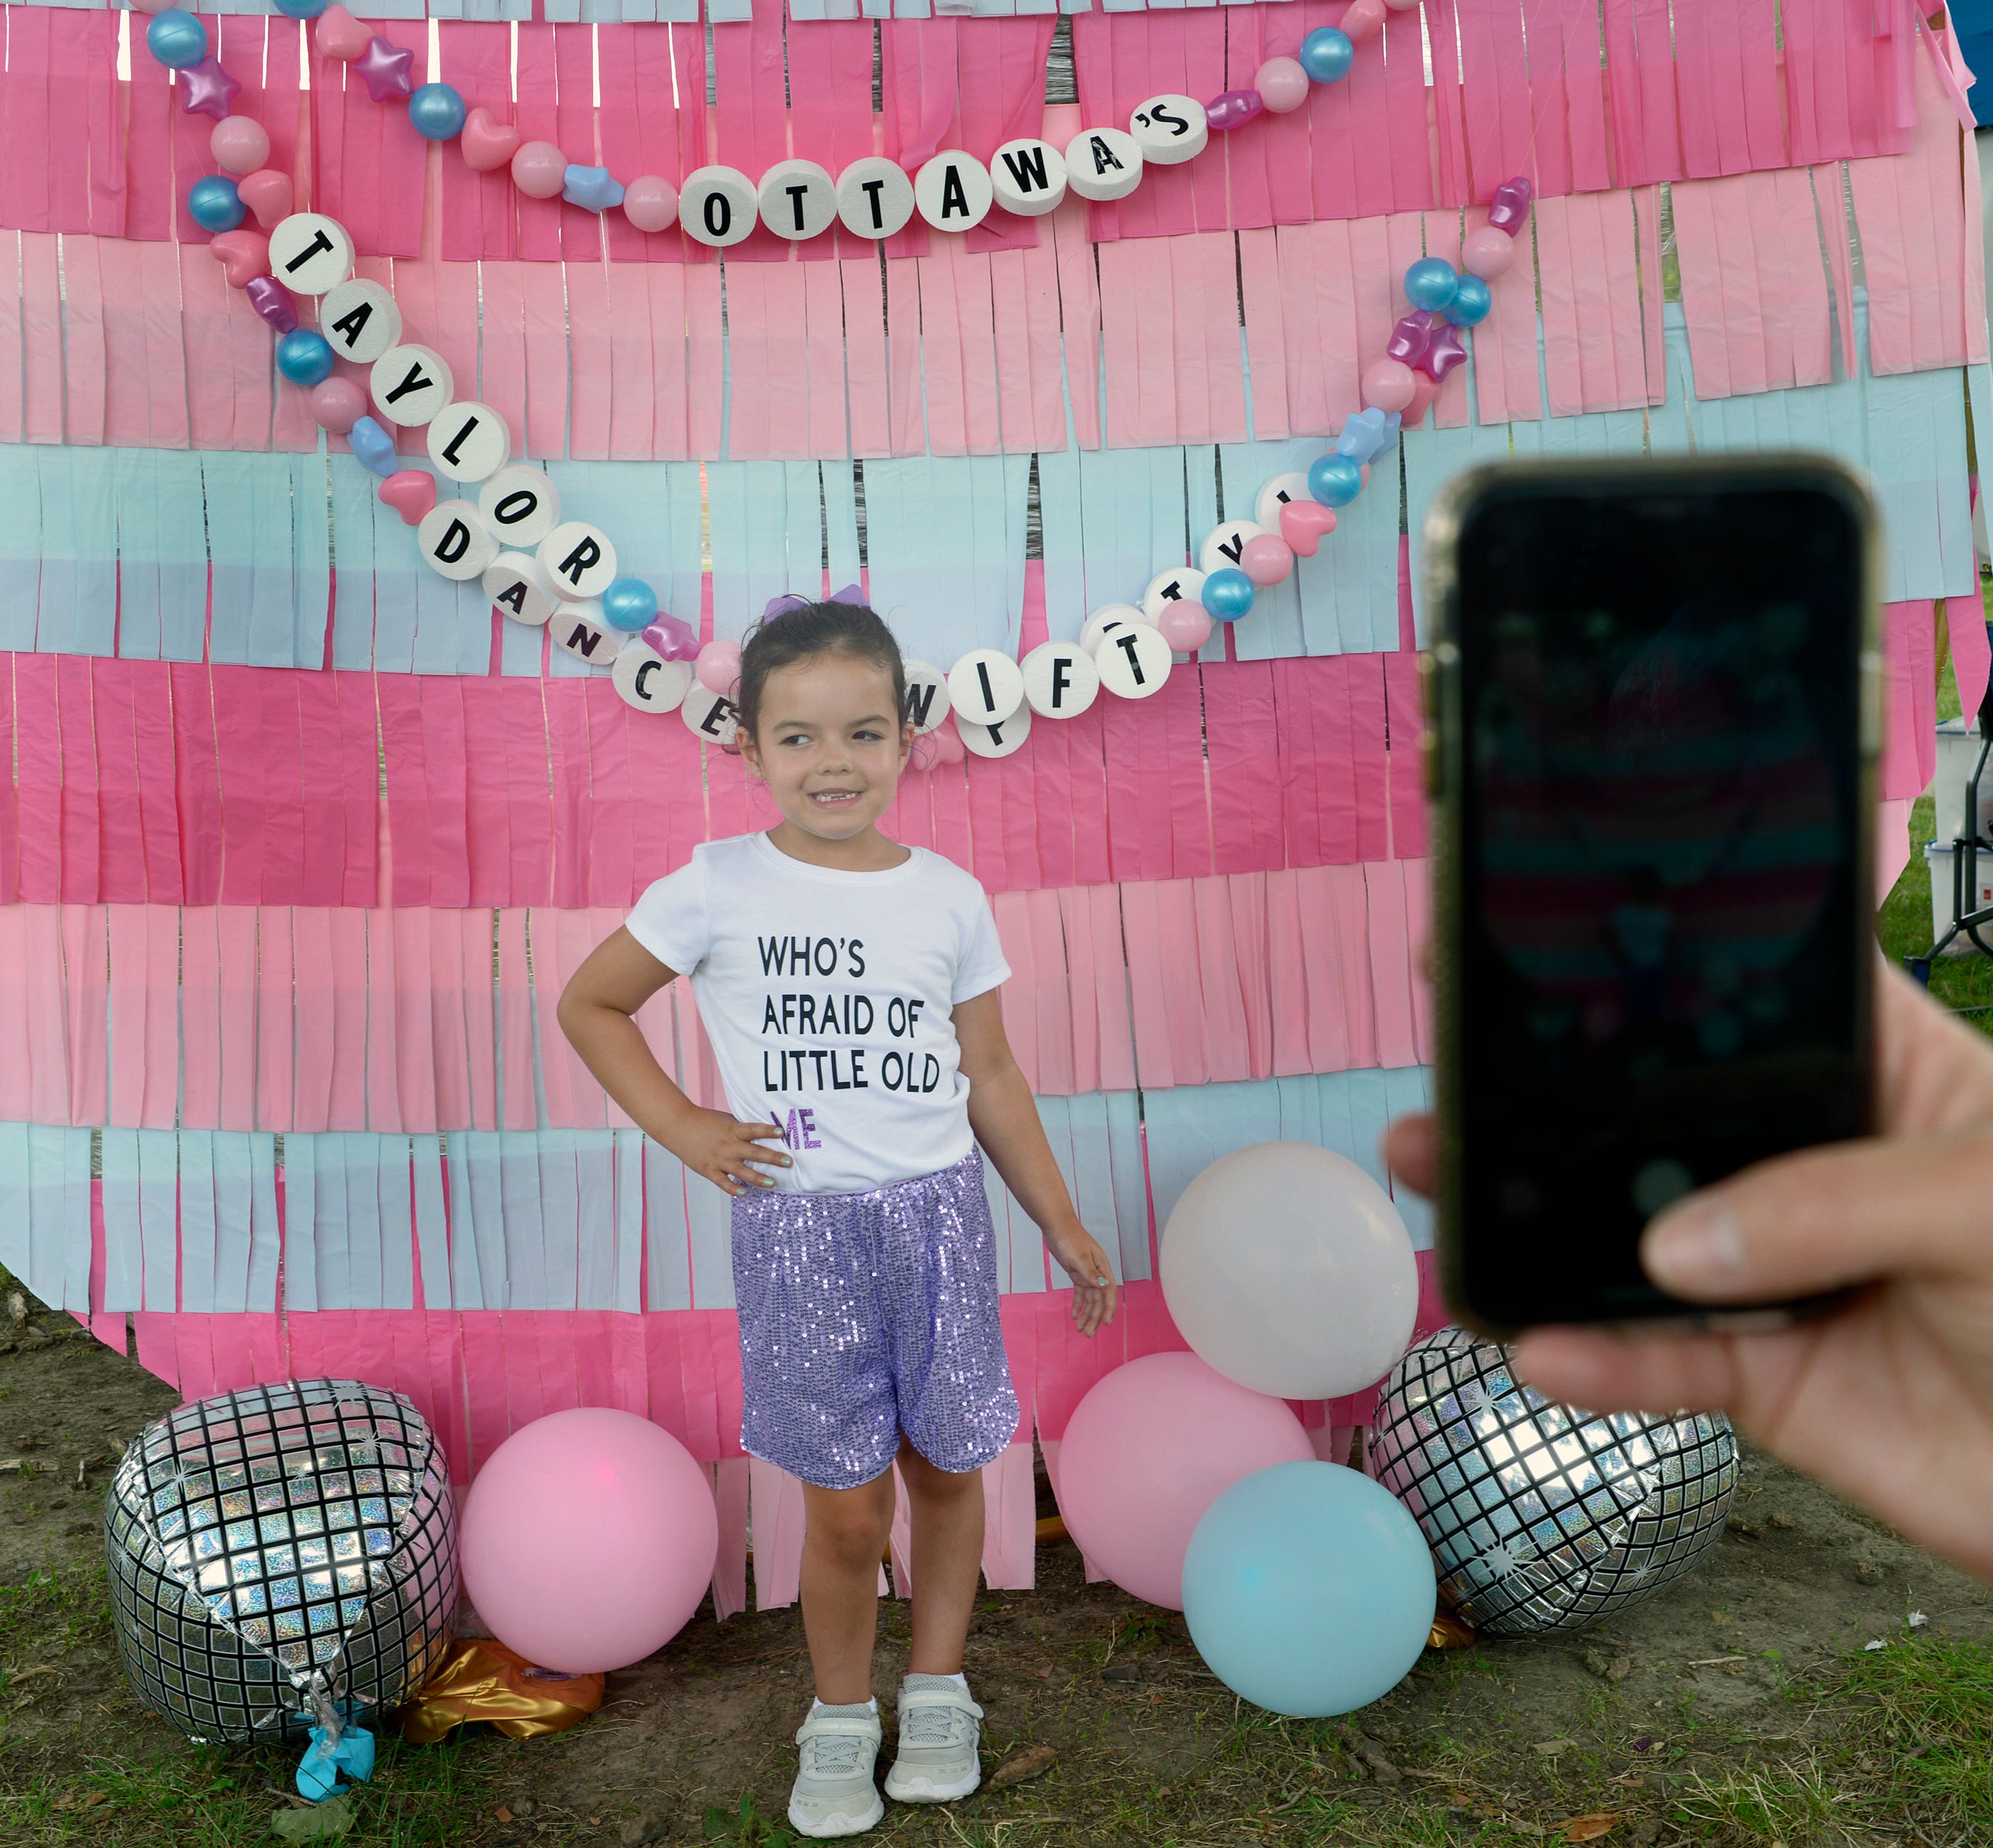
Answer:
[(1282, 84), (338, 403), (539, 170), (240, 144), (1364, 18), (1148, 1451), (717, 668), (1487, 253), (1265, 557), (1185, 625), (1388, 385), (650, 203), (588, 1540)]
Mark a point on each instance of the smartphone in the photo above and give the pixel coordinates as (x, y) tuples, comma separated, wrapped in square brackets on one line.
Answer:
[(1653, 696)]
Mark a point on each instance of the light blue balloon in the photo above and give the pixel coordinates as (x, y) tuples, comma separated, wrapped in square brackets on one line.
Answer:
[(1471, 300), (302, 9), (1362, 434), (177, 38), (1335, 480), (1327, 54), (373, 447), (214, 204), (305, 358), (629, 604), (1308, 1588), (1228, 594), (436, 111), (1432, 282)]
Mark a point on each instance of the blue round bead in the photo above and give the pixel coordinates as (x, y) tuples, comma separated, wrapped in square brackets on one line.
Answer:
[(1335, 480), (177, 38), (1471, 300), (1327, 54), (305, 358), (629, 604), (302, 9), (214, 204), (1431, 282), (437, 111), (1228, 594)]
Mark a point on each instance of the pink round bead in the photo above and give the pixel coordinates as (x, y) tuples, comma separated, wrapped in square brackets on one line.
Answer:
[(539, 170), (651, 203), (1388, 385), (1185, 625), (1487, 253), (1363, 19), (1282, 84), (1265, 558), (337, 404), (240, 144), (719, 668)]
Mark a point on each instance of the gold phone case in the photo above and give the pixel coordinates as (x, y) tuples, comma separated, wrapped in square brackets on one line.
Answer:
[(1442, 754)]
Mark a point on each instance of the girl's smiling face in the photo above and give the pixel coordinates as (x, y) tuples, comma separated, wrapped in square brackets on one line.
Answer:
[(829, 743)]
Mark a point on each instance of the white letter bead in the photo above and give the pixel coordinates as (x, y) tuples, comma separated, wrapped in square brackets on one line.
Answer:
[(648, 681), (360, 319), (997, 740), (578, 560), (1181, 585), (709, 716), (1103, 163), (455, 540), (1104, 621), (986, 686), (798, 200), (1169, 129), (953, 191), (1027, 177), (1275, 495), (310, 253), (1060, 680), (926, 695), (512, 582), (410, 384), (1221, 549), (875, 198), (578, 628), (1134, 661), (520, 504), (468, 441), (717, 205)]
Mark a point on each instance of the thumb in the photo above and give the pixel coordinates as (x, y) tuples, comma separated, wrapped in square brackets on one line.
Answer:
[(1826, 1218)]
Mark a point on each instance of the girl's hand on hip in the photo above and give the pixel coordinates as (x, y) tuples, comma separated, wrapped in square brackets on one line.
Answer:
[(1093, 1290), (725, 1151)]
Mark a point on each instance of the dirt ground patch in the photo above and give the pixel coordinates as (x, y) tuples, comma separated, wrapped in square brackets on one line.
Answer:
[(1741, 1705)]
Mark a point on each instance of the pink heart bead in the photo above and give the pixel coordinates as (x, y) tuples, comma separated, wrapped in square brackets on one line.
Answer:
[(340, 36), (268, 194), (1304, 524), (410, 493), (243, 255), (488, 145)]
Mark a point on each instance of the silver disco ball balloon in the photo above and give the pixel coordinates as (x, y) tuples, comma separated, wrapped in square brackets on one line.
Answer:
[(1540, 1517), (282, 1556)]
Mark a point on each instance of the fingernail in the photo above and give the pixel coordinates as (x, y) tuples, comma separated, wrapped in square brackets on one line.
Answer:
[(1695, 1246)]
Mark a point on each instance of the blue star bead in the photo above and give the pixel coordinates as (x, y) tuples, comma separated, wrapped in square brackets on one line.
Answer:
[(386, 69), (206, 89), (591, 188)]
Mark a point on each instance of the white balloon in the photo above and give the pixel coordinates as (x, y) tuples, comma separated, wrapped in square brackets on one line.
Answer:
[(1276, 494), (1182, 585), (1224, 542), (1134, 661), (997, 740), (875, 198), (1104, 621), (648, 681), (986, 686), (953, 191), (1061, 680), (1288, 1269), (927, 695), (798, 200)]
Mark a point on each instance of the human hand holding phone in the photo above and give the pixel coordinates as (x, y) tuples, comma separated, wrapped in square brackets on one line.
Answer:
[(1887, 1397)]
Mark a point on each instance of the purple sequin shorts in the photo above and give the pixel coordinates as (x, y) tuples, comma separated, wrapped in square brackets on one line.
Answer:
[(867, 1315)]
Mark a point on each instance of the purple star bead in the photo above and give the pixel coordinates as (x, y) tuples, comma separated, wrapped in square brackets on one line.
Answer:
[(1445, 351), (206, 89), (386, 69)]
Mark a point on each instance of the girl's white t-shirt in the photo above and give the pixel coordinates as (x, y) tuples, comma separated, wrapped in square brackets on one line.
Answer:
[(826, 996)]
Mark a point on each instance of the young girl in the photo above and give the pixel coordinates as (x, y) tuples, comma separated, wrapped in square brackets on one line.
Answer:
[(849, 985)]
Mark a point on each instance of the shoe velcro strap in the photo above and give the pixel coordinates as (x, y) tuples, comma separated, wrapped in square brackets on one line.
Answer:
[(938, 1697), (856, 1729)]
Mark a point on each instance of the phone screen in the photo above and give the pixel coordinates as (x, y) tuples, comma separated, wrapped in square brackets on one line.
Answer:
[(1662, 912)]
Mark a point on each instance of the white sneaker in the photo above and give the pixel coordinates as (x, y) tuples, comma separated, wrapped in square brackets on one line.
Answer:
[(938, 1759), (833, 1793)]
